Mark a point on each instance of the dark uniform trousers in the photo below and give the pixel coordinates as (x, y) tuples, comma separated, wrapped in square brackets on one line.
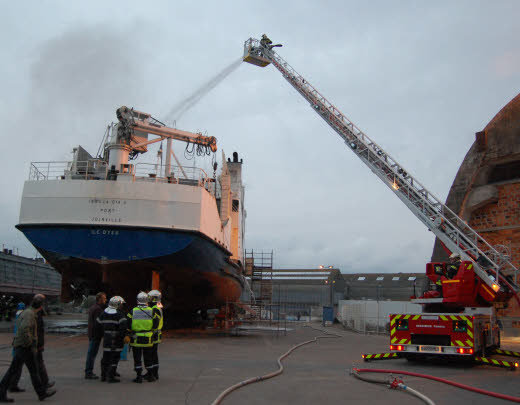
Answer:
[(147, 354), (109, 362), (27, 356), (155, 359)]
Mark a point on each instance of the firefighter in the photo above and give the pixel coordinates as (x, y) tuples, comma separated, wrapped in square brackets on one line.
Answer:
[(453, 266), (265, 41), (141, 326), (112, 326), (155, 301)]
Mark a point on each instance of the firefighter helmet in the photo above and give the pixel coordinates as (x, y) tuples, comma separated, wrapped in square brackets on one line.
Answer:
[(155, 296), (116, 302), (142, 298)]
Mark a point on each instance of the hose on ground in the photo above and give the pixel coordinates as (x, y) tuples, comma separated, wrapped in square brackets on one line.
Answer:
[(395, 385), (368, 379), (280, 370), (442, 380), (416, 393)]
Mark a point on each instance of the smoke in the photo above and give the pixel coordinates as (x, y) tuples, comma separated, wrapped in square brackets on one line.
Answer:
[(187, 103), (79, 79)]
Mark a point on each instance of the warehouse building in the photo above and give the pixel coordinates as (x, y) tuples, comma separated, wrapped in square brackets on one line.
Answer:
[(22, 276), (384, 286)]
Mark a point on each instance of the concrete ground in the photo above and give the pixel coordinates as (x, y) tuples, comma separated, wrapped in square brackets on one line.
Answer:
[(195, 369)]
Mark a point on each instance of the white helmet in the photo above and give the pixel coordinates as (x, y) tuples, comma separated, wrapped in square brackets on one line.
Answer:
[(155, 296), (454, 257), (142, 298), (116, 302)]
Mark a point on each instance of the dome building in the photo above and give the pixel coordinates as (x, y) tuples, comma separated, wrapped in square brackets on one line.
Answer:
[(486, 189)]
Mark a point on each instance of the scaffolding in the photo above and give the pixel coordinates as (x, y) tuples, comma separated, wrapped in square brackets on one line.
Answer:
[(259, 266)]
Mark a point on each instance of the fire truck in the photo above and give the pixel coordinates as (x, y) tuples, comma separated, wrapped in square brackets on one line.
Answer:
[(458, 317)]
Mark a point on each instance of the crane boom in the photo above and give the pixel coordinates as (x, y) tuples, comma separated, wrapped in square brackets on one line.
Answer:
[(133, 120), (452, 230)]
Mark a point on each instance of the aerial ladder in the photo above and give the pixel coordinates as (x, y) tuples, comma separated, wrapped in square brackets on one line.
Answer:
[(457, 236), (485, 266)]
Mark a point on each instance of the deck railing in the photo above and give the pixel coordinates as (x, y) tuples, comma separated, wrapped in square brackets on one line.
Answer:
[(96, 169), (93, 169), (193, 176)]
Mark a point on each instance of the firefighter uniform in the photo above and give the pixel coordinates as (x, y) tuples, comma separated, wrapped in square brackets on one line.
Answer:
[(112, 326), (141, 325), (156, 337), (452, 270)]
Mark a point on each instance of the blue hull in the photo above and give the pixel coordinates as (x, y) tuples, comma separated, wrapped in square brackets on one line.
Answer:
[(107, 244), (195, 272)]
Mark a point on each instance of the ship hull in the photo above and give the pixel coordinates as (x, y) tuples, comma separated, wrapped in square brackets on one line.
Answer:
[(193, 272)]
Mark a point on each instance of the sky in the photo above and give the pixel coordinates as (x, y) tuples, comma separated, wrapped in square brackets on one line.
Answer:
[(418, 77)]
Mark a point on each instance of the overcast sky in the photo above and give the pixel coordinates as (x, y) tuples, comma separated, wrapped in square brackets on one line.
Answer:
[(419, 77)]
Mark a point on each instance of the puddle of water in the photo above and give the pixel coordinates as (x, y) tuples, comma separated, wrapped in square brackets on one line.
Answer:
[(66, 326)]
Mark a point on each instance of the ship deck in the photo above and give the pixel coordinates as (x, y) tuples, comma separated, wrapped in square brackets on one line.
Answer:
[(196, 368)]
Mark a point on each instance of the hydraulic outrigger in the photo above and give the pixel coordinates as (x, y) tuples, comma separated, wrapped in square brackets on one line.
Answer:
[(467, 320)]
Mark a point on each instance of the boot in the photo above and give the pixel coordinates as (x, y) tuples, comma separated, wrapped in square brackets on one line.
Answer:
[(111, 376), (139, 378), (156, 372), (149, 376), (103, 375), (46, 394)]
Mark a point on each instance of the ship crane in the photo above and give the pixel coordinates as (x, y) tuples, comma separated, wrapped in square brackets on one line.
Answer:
[(131, 138), (456, 235)]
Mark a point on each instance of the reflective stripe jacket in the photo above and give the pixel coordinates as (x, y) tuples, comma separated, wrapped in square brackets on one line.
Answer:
[(112, 326), (141, 323), (158, 324)]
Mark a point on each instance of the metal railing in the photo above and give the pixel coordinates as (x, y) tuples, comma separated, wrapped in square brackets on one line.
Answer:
[(191, 176), (93, 169), (96, 169)]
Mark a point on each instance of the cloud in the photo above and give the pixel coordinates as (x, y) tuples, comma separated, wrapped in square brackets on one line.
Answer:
[(507, 64)]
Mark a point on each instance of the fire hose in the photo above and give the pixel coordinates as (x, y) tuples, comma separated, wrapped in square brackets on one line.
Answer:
[(356, 371), (280, 370), (395, 384)]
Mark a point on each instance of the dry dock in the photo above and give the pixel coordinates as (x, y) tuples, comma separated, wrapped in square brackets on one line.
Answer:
[(194, 370)]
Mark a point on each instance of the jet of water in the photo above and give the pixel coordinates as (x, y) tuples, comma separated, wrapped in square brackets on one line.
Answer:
[(187, 103)]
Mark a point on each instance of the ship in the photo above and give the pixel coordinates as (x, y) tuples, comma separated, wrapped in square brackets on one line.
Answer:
[(110, 223)]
